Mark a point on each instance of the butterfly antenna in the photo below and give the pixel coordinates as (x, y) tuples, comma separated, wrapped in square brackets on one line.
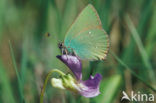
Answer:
[(47, 34)]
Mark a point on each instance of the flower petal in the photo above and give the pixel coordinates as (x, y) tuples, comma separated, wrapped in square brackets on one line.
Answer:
[(65, 82), (57, 83), (90, 87), (73, 63)]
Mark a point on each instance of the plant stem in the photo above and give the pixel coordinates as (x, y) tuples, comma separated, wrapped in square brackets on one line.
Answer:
[(46, 81)]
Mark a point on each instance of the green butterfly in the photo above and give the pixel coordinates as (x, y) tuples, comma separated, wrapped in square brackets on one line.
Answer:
[(86, 38)]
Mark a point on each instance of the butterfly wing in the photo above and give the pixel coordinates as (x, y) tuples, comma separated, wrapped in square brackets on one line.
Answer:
[(91, 44), (88, 18), (86, 36)]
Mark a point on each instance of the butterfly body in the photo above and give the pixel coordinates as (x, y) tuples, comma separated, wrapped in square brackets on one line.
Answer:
[(86, 38), (66, 50)]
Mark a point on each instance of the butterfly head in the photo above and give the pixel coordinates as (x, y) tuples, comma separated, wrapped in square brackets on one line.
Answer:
[(61, 45)]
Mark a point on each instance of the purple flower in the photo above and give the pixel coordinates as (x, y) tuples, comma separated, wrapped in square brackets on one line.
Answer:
[(87, 88)]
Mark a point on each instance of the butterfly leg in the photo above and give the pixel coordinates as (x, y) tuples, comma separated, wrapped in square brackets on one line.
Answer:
[(66, 53), (62, 51), (73, 52)]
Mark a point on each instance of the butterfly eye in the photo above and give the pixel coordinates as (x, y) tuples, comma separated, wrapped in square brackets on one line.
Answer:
[(60, 45)]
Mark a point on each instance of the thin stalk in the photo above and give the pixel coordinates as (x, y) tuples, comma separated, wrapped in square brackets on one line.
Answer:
[(46, 81), (17, 73), (133, 73), (24, 60)]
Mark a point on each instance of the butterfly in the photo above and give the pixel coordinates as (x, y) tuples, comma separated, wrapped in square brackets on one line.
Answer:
[(86, 38)]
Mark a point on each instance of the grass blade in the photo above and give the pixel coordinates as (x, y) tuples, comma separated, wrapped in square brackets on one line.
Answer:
[(5, 87), (145, 15), (42, 20), (17, 73), (24, 59), (132, 72), (151, 34), (141, 49)]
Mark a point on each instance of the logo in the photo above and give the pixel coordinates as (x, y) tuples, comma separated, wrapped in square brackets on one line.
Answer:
[(137, 97)]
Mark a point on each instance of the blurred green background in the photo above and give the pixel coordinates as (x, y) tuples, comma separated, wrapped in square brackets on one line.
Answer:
[(27, 54)]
